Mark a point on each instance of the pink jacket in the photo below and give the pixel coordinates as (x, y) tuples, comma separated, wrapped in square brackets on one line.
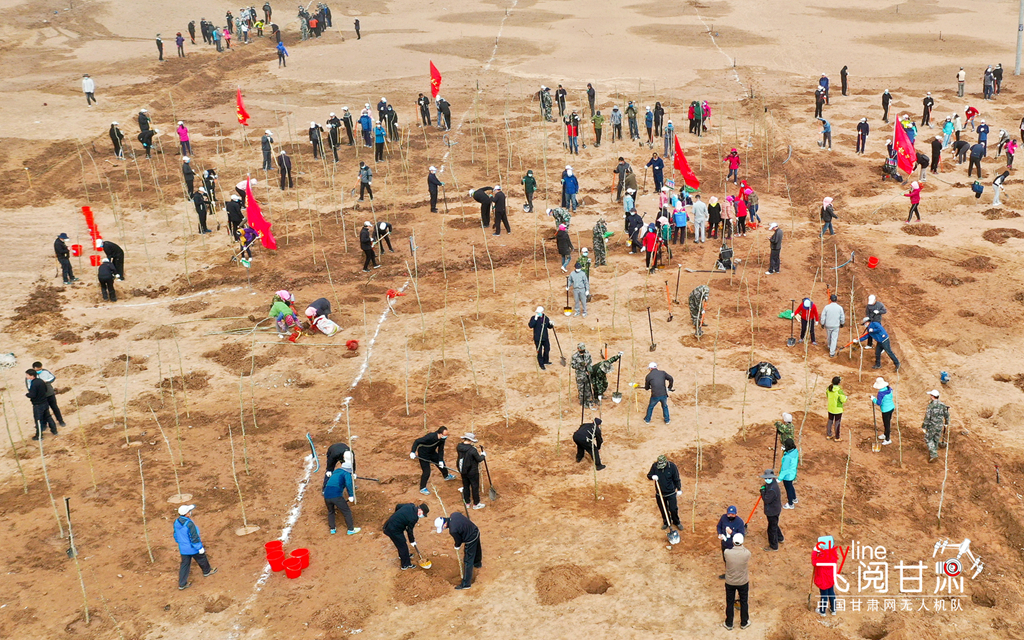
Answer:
[(734, 161), (914, 195), (183, 133)]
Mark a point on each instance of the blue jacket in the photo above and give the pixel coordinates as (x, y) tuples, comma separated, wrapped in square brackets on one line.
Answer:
[(365, 123), (886, 400), (338, 483), (379, 133), (657, 166), (649, 119), (186, 534), (281, 49), (572, 185), (875, 331), (982, 132), (823, 82), (790, 459)]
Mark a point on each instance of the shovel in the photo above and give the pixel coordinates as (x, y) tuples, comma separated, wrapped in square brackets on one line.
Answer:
[(792, 339), (651, 327), (493, 494), (424, 564), (876, 445), (617, 397), (568, 307), (679, 272), (673, 535), (668, 299), (561, 356)]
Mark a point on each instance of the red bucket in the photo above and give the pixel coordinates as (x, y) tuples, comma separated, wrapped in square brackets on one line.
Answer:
[(76, 250), (303, 555), (276, 560), (293, 568), (94, 260), (274, 546), (872, 262)]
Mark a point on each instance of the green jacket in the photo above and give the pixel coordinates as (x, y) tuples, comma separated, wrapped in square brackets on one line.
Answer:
[(836, 399), (598, 121), (280, 308), (529, 183), (631, 111)]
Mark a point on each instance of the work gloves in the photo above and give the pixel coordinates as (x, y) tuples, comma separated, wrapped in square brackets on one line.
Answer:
[(440, 465), (412, 456), (655, 478), (202, 549), (351, 499)]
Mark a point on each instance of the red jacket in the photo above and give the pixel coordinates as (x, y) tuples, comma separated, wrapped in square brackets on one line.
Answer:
[(970, 112), (650, 240), (914, 195), (572, 130), (741, 208), (824, 572), (733, 160), (810, 315)]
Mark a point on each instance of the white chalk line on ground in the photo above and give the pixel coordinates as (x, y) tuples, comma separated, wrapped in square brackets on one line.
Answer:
[(296, 509), (735, 73)]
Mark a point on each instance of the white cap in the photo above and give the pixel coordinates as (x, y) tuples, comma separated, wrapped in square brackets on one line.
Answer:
[(180, 122), (234, 196), (871, 299), (774, 225), (433, 169), (344, 108), (653, 365), (439, 524), (584, 251), (114, 123), (497, 187), (540, 310), (99, 244), (670, 122), (332, 114), (737, 539), (934, 393), (787, 417), (145, 111), (568, 166), (268, 132), (185, 509), (312, 124), (367, 224)]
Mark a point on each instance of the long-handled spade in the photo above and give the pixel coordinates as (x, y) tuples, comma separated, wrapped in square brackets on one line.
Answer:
[(617, 397), (673, 535), (668, 299), (679, 272), (568, 307), (876, 446), (493, 494), (561, 356), (444, 195), (650, 326), (792, 317), (424, 564)]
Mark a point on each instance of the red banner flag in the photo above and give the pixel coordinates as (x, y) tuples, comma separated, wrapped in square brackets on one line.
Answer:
[(435, 80), (243, 115), (254, 216), (906, 156), (681, 165)]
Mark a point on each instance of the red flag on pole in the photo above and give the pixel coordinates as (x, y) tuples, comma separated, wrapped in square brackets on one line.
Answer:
[(254, 216), (906, 156), (681, 165), (435, 80), (243, 115)]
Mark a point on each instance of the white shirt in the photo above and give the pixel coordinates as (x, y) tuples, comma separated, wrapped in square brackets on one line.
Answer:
[(961, 76), (88, 86)]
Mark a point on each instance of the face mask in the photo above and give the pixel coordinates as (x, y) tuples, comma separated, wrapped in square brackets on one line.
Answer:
[(732, 517), (769, 481)]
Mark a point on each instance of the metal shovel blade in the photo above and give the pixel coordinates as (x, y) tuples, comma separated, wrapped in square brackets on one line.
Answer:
[(616, 397), (673, 536), (425, 564), (653, 346), (493, 494), (790, 342), (876, 446), (567, 311)]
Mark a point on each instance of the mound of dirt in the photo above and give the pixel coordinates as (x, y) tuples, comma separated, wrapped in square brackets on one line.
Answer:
[(116, 367), (519, 433), (237, 358), (192, 306), (977, 263), (90, 397), (194, 380), (1017, 379), (913, 251), (119, 324), (43, 307), (103, 335), (67, 337), (999, 214), (711, 394), (921, 229), (999, 236), (949, 280), (564, 582), (612, 497), (220, 603), (414, 587)]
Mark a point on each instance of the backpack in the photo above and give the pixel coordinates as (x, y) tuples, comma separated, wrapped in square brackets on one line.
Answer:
[(765, 374), (977, 188), (724, 262)]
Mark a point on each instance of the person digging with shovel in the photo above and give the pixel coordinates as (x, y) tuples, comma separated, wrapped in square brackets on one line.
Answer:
[(588, 440), (540, 324), (400, 525), (668, 486), (430, 449), (599, 375), (463, 532), (656, 382), (468, 464), (698, 302), (729, 526)]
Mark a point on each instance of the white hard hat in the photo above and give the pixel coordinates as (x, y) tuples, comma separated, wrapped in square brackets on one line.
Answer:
[(787, 417)]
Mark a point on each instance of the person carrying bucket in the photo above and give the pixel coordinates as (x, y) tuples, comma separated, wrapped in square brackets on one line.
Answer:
[(190, 546)]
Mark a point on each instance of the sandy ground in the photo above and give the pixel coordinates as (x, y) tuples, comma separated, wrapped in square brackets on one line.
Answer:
[(564, 554)]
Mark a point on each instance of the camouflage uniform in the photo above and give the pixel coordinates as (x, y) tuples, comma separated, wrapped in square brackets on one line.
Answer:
[(935, 418), (545, 104), (561, 216), (600, 248), (599, 374), (584, 262), (785, 430), (698, 299), (581, 362)]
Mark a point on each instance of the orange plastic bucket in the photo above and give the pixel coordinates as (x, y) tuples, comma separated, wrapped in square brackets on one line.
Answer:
[(303, 555), (872, 262), (276, 560), (293, 568)]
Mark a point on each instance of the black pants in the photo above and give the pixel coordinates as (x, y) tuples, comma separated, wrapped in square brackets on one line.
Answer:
[(583, 448), (385, 240), (118, 262), (935, 163), (433, 201), (529, 201), (861, 140), (398, 539), (65, 270), (318, 148), (43, 419), (89, 97), (107, 288), (926, 117), (202, 221), (378, 152), (471, 487), (731, 591), (774, 532), (472, 559), (790, 491), (425, 117), (817, 109), (803, 329), (500, 218), (348, 131), (914, 210), (774, 261), (425, 471), (544, 353), (340, 504), (885, 113), (844, 87), (186, 564), (233, 229), (671, 506), (616, 131), (51, 401), (975, 162), (287, 173), (485, 215), (371, 258), (887, 422), (334, 150), (365, 187), (190, 186), (597, 137), (267, 164)]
